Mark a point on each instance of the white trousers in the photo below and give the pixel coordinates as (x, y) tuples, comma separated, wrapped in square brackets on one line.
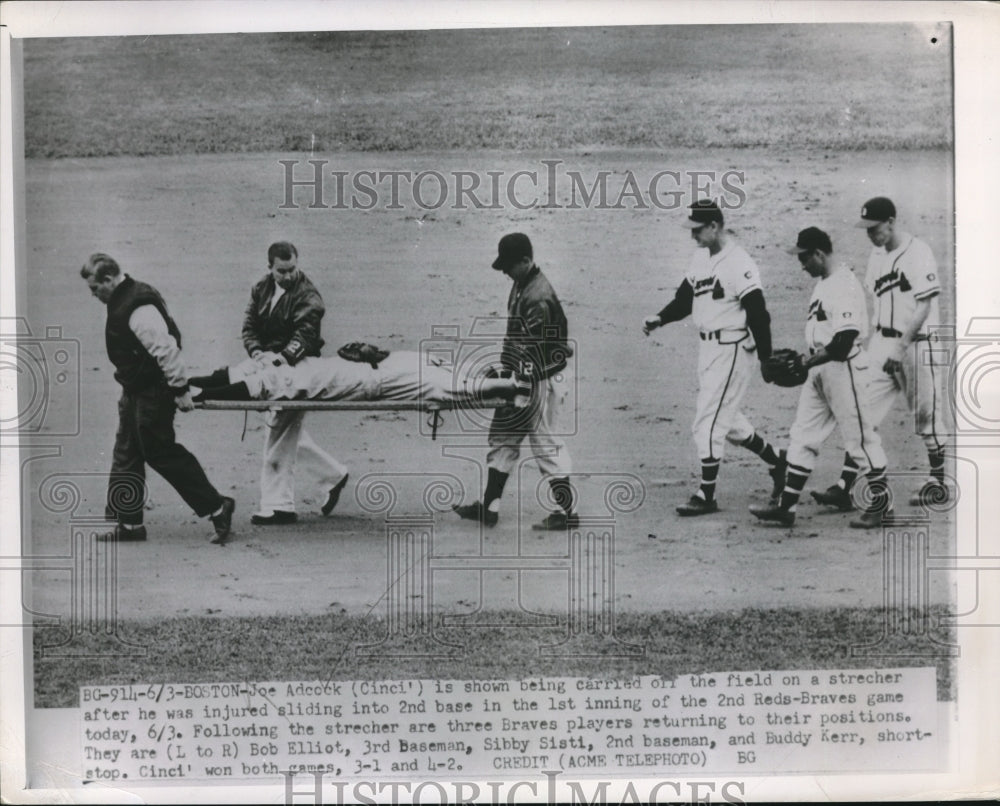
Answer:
[(724, 372), (286, 443), (919, 383), (540, 428), (836, 395)]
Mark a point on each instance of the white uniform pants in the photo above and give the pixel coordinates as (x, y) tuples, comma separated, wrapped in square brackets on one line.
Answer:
[(835, 394), (724, 372), (286, 442), (919, 382), (541, 430)]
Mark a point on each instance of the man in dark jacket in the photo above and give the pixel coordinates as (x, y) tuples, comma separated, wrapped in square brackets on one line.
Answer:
[(282, 326), (144, 345), (536, 346)]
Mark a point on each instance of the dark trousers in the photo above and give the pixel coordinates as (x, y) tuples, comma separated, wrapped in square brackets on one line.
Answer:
[(146, 437)]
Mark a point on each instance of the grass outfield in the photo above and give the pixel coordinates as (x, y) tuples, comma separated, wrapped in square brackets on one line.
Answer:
[(849, 87), (203, 649)]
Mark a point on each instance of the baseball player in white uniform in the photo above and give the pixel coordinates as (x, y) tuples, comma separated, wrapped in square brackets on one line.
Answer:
[(903, 280), (400, 375), (723, 295), (834, 393)]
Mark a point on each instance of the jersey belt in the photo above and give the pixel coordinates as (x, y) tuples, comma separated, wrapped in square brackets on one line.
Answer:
[(715, 335)]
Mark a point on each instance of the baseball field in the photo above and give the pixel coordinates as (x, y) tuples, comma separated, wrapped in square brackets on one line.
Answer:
[(166, 152)]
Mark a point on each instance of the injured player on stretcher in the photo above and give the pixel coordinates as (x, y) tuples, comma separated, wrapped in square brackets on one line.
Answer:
[(402, 375)]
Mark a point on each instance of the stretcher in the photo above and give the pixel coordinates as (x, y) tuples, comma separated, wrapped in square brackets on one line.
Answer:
[(432, 408)]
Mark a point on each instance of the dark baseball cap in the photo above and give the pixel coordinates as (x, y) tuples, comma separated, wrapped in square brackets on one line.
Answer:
[(512, 248), (875, 211), (810, 239), (703, 211)]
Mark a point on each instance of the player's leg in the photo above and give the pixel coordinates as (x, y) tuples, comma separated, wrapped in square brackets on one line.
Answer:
[(861, 439), (839, 495), (552, 455), (507, 432), (883, 389), (718, 370), (180, 468), (924, 394), (332, 474), (814, 422), (724, 372), (127, 480), (277, 480), (741, 431)]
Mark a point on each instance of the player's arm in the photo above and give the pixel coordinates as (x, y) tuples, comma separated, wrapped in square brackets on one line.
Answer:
[(758, 321), (926, 287), (837, 350), (150, 328), (894, 363), (678, 308), (252, 325), (307, 316)]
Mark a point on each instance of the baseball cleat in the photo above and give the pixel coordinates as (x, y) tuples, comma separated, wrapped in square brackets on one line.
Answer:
[(334, 495), (557, 521), (219, 377), (122, 535), (233, 391), (777, 474), (476, 512), (223, 522), (279, 517), (835, 496), (872, 519), (697, 505), (773, 514), (933, 493)]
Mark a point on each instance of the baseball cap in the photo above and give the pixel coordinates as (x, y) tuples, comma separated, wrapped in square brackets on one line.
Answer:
[(809, 239), (512, 248), (875, 211), (703, 211)]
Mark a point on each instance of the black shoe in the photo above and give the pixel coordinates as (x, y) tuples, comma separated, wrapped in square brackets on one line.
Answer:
[(697, 505), (476, 512), (122, 535), (777, 474), (218, 378), (933, 493), (233, 391), (873, 519), (557, 522), (835, 496), (277, 518), (773, 514), (334, 495), (223, 522)]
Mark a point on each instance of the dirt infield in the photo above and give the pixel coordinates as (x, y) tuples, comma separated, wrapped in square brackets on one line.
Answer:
[(198, 229)]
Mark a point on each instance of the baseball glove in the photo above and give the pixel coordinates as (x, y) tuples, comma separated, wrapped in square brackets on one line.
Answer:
[(785, 368), (363, 353)]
